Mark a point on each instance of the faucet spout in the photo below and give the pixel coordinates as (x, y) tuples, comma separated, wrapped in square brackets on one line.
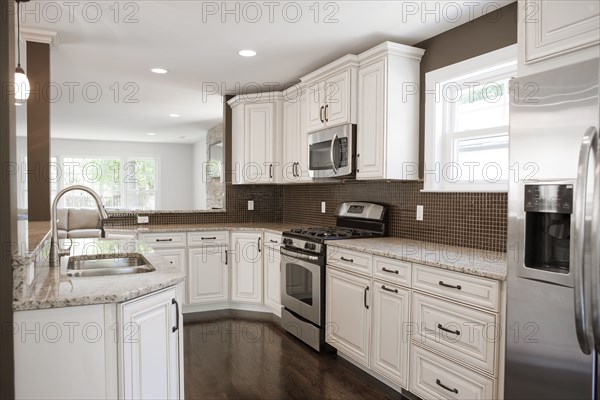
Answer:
[(54, 248)]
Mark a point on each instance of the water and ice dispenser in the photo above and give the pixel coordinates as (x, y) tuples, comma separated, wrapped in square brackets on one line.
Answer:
[(548, 209)]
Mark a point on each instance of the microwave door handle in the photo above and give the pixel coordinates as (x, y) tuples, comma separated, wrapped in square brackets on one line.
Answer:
[(333, 140), (595, 239), (583, 320)]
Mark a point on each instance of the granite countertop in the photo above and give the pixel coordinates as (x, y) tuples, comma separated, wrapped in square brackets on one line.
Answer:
[(37, 286), (30, 235), (488, 264), (275, 227)]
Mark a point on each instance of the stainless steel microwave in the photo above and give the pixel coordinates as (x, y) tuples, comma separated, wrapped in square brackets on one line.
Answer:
[(332, 152)]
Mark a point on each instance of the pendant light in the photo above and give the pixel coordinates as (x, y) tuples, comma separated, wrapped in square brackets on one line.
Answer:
[(22, 87)]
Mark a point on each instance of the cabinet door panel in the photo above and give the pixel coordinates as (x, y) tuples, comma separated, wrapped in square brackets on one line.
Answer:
[(150, 348), (246, 269), (337, 91), (315, 101), (390, 341), (347, 319), (272, 261), (177, 258), (371, 121), (207, 277), (291, 128), (259, 142)]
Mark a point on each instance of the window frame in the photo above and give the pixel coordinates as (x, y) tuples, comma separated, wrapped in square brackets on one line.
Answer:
[(439, 145)]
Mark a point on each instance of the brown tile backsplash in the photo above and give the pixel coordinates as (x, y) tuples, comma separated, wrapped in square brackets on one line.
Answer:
[(476, 220)]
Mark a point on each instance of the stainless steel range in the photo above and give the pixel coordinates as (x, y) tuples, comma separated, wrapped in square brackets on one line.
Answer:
[(303, 261)]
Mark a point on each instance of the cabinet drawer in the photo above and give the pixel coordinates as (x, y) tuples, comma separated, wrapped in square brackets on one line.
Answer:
[(168, 239), (434, 377), (457, 331), (391, 270), (272, 239), (203, 238), (473, 290), (350, 260)]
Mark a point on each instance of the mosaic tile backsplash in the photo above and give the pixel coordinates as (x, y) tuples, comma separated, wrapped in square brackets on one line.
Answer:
[(476, 220)]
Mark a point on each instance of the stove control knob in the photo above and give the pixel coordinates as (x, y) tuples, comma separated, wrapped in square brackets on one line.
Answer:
[(310, 246), (287, 241)]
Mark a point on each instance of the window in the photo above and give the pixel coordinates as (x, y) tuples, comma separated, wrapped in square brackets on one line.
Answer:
[(466, 124)]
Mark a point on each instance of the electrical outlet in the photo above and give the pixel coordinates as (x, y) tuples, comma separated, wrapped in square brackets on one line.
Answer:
[(323, 207), (250, 205), (419, 213), (143, 219)]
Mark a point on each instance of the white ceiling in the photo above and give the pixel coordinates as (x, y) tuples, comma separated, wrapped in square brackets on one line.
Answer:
[(199, 48)]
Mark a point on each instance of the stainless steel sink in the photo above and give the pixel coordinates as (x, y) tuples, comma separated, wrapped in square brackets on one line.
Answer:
[(107, 266)]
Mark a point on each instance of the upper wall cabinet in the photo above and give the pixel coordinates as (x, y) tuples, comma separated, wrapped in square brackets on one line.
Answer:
[(331, 94), (257, 138), (388, 112), (295, 138), (555, 33)]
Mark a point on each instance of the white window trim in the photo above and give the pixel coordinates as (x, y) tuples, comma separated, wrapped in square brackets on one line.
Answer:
[(434, 140)]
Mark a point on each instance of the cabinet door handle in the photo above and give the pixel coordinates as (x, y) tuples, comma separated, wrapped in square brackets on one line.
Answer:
[(209, 238), (439, 383), (440, 327), (226, 257), (384, 269), (259, 239), (164, 240), (326, 108), (347, 259), (296, 173), (365, 297), (270, 171), (321, 114), (176, 327), (273, 241), (457, 287), (389, 290)]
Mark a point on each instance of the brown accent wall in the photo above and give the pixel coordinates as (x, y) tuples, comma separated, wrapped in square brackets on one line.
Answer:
[(8, 196), (38, 132), (490, 32)]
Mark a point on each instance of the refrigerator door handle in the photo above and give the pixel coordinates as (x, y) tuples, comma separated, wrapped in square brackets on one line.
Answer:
[(595, 239), (583, 319)]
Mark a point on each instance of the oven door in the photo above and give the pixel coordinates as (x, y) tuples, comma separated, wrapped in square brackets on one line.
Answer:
[(330, 152), (301, 280)]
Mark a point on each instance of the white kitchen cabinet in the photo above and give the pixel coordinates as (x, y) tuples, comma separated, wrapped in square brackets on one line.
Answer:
[(101, 351), (390, 339), (557, 32), (348, 314), (151, 329), (388, 113), (331, 94), (246, 267), (208, 273), (272, 272), (295, 138), (177, 258), (257, 138)]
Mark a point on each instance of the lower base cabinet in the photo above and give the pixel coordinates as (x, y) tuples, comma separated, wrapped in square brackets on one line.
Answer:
[(102, 351), (390, 340), (208, 275), (150, 347), (348, 314), (246, 267), (272, 273), (435, 377)]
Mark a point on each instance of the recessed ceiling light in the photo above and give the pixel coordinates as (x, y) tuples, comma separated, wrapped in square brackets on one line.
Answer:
[(159, 70), (247, 53), (174, 115), (181, 137), (151, 134)]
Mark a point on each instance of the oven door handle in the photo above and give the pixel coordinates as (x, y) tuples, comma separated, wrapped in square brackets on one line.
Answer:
[(298, 255), (333, 140)]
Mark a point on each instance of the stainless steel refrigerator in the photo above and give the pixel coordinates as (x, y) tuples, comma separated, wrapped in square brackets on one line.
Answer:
[(553, 310)]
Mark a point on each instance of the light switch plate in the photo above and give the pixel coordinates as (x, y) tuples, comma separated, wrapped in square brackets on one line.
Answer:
[(143, 219), (419, 213), (323, 207), (250, 205)]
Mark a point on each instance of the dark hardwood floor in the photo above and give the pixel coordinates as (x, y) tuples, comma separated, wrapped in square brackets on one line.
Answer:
[(237, 358)]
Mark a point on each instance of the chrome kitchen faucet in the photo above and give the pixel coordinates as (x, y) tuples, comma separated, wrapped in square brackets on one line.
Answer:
[(55, 252)]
